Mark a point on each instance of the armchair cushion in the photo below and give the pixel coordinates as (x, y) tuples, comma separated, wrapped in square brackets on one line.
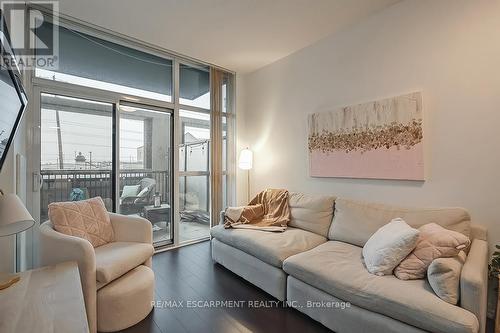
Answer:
[(87, 219), (117, 258)]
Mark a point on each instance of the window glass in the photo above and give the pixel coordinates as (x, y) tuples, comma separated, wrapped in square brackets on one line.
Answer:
[(224, 144), (195, 141), (194, 86), (227, 86), (194, 172), (75, 165)]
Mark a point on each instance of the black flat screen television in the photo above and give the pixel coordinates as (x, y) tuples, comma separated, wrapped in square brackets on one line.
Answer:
[(13, 99)]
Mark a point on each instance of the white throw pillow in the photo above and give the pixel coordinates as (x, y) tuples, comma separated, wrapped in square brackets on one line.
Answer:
[(388, 246), (130, 191)]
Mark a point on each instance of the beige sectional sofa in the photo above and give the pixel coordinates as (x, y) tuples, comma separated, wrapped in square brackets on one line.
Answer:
[(317, 267)]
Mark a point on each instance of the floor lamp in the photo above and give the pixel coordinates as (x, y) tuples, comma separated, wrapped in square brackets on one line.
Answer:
[(245, 162), (14, 218)]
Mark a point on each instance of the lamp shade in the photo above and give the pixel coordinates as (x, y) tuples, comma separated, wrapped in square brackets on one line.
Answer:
[(246, 159), (14, 217)]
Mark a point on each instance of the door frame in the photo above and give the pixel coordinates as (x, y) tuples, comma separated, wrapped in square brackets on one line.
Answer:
[(34, 86), (169, 111), (41, 86)]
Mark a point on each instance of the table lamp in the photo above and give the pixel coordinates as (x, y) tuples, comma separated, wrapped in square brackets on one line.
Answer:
[(14, 218), (245, 163)]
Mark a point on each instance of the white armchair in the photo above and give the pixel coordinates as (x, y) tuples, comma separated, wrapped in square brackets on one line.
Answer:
[(117, 280)]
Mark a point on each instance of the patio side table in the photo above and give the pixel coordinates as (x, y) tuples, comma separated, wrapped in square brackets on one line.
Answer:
[(157, 214)]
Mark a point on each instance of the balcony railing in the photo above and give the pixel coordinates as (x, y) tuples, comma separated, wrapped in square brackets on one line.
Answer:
[(58, 185)]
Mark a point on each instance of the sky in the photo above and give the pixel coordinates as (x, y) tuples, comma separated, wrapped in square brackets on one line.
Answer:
[(87, 133), (79, 133)]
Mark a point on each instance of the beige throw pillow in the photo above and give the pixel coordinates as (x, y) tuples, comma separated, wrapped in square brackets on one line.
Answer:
[(87, 219), (434, 242), (444, 277)]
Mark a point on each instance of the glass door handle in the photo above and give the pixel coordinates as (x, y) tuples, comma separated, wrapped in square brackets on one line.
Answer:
[(37, 182)]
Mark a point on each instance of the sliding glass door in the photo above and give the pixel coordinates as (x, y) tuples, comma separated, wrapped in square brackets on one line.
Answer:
[(103, 124), (79, 144), (146, 167)]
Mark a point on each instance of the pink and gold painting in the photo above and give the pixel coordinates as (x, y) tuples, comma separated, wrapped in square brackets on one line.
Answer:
[(379, 140)]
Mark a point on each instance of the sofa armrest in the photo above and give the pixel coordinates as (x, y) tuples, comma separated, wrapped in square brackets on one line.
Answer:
[(131, 228), (56, 247), (474, 282), (221, 217)]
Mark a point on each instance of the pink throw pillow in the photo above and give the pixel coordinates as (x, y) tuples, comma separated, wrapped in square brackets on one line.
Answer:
[(434, 242), (87, 219)]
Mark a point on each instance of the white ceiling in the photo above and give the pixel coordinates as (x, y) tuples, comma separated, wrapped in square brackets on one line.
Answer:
[(240, 35)]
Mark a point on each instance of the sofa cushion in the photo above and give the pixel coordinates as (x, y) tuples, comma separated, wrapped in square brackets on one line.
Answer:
[(311, 212), (270, 247), (87, 219), (337, 268), (117, 258), (355, 221)]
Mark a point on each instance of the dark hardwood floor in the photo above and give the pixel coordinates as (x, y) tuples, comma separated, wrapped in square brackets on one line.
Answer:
[(189, 274)]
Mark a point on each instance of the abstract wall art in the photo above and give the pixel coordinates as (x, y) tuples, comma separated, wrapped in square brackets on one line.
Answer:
[(379, 140)]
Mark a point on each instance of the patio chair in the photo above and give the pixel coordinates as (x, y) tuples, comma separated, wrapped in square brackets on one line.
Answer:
[(135, 204)]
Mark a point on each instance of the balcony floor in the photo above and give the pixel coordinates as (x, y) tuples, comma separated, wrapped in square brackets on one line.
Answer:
[(193, 230), (189, 230)]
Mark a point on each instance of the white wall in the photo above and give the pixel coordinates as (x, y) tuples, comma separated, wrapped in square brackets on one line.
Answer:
[(241, 143), (448, 49)]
